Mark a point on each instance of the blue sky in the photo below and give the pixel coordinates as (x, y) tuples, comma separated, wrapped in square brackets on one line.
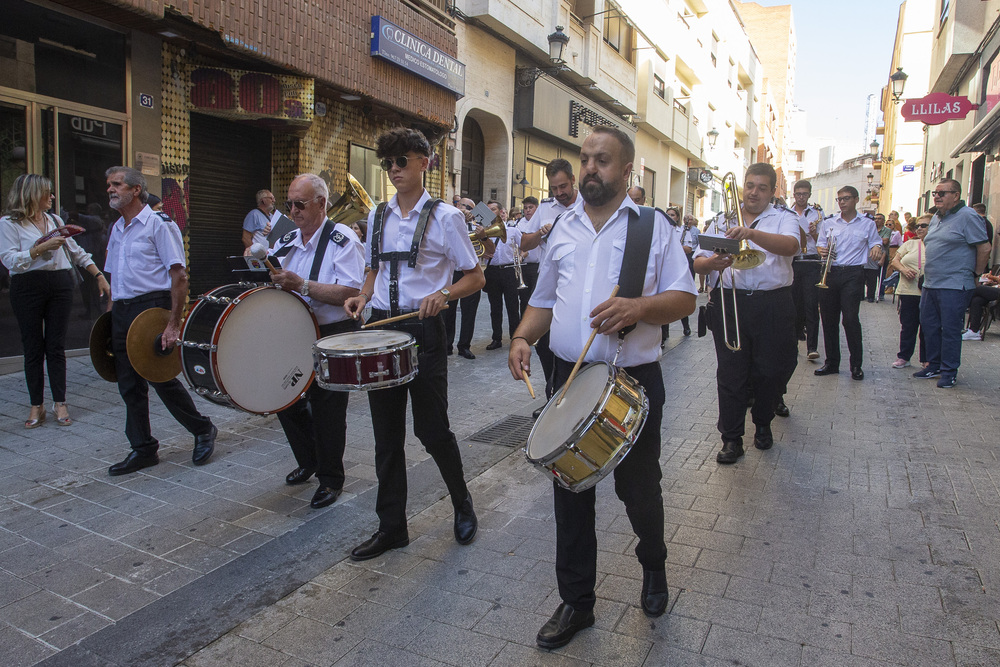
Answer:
[(844, 50)]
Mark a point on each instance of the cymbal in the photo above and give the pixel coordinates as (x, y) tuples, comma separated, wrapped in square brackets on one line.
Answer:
[(143, 345), (101, 354)]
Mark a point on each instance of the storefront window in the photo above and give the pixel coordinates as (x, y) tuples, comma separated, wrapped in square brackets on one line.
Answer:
[(539, 182)]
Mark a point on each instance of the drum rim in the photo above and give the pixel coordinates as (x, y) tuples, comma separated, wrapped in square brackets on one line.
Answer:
[(397, 347), (585, 425)]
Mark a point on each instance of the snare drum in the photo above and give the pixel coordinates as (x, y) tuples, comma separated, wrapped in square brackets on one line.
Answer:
[(365, 360), (582, 439), (248, 347)]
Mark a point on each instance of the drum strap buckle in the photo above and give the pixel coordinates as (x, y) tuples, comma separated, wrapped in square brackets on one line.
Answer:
[(621, 344)]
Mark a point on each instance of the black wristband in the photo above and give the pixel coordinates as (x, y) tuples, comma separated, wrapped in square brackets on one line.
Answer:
[(522, 338)]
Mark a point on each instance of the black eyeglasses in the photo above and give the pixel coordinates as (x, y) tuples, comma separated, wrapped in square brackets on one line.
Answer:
[(400, 162), (847, 198), (924, 226), (298, 203), (467, 207), (942, 193)]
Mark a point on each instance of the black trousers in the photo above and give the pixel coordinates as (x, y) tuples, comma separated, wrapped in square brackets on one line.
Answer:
[(316, 425), (135, 390), (469, 306), (871, 282), (41, 301), (805, 295), (909, 327), (545, 356), (766, 359), (428, 393), (529, 274), (981, 298), (501, 288), (637, 484), (842, 301)]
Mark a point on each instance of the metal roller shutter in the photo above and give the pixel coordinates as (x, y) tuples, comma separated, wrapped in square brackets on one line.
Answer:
[(230, 162)]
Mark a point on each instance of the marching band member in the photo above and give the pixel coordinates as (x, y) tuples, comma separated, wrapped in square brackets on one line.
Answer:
[(762, 298), (468, 304), (146, 261), (501, 281), (324, 262), (529, 267), (806, 268), (855, 240), (581, 266), (414, 244)]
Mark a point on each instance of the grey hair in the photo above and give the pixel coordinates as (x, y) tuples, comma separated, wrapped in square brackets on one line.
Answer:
[(318, 184), (260, 195), (132, 178)]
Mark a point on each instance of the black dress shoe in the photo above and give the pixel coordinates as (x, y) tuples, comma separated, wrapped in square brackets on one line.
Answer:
[(466, 353), (466, 523), (654, 592), (537, 413), (133, 462), (378, 544), (781, 409), (763, 439), (731, 451), (298, 476), (826, 369), (325, 495), (565, 623), (204, 445), (494, 345), (687, 331), (857, 373)]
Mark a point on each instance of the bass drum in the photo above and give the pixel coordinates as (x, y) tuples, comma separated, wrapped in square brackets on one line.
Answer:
[(249, 347)]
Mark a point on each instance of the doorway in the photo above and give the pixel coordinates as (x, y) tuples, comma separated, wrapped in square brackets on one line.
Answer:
[(473, 160)]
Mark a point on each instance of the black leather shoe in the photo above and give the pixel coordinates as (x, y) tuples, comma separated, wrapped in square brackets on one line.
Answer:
[(378, 544), (537, 413), (857, 373), (298, 476), (731, 451), (763, 439), (325, 495), (466, 353), (687, 331), (781, 409), (494, 345), (204, 445), (654, 592), (826, 369), (565, 623), (466, 523), (133, 463)]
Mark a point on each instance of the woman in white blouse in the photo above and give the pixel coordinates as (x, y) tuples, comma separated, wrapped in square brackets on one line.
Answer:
[(41, 289)]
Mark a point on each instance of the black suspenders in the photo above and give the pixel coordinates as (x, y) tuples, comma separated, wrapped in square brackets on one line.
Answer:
[(394, 258)]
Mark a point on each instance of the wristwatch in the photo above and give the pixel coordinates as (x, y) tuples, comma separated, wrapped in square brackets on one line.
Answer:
[(305, 288), (447, 295)]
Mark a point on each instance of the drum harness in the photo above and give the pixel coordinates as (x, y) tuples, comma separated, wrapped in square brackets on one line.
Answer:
[(394, 258), (324, 240)]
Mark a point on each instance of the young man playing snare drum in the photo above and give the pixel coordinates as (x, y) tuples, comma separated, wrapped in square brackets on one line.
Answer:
[(413, 247), (583, 263)]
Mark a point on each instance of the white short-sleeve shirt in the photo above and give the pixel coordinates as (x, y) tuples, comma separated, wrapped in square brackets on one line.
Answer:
[(854, 239), (140, 255)]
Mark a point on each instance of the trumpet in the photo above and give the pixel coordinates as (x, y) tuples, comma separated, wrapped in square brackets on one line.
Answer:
[(830, 252), (518, 271)]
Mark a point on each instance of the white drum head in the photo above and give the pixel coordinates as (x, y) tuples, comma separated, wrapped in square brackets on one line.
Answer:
[(357, 341), (264, 352), (557, 423)]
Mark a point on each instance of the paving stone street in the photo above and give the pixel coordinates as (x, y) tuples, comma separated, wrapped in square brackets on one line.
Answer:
[(866, 536)]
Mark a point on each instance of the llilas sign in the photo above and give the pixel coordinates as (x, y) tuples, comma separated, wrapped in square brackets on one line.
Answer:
[(937, 108)]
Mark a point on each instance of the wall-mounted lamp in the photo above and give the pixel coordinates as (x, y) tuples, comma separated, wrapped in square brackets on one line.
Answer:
[(898, 80), (871, 177), (713, 136), (526, 76)]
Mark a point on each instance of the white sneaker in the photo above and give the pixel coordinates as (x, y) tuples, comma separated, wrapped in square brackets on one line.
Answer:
[(900, 363), (971, 335)]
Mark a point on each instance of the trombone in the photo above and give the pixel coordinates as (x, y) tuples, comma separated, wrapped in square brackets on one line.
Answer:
[(745, 258), (830, 252)]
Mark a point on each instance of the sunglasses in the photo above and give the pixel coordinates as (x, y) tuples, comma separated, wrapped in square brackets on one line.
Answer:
[(942, 193), (298, 203), (400, 162), (922, 226)]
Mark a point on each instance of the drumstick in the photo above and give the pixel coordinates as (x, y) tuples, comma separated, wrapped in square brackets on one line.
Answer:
[(527, 381), (258, 251), (396, 319), (579, 362)]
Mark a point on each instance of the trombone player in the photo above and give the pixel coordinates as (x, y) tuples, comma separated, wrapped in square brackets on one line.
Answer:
[(751, 312), (854, 240)]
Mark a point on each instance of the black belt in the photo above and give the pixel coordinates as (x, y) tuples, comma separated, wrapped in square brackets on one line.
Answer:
[(852, 267), (379, 314), (757, 292), (807, 258), (142, 298), (501, 266)]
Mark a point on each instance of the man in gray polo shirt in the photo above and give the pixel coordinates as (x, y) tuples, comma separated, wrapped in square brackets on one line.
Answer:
[(957, 249)]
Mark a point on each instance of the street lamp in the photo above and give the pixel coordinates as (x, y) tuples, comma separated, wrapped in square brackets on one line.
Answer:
[(898, 80), (713, 136), (871, 177), (874, 147), (558, 40)]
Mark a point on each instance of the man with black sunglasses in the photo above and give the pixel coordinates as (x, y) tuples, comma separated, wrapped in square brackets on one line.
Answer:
[(414, 244), (324, 262), (853, 240), (957, 249)]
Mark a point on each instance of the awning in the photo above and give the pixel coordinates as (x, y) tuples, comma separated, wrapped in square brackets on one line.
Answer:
[(982, 136)]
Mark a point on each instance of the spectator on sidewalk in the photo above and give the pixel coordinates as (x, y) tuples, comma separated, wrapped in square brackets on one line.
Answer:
[(957, 250), (986, 291), (909, 261)]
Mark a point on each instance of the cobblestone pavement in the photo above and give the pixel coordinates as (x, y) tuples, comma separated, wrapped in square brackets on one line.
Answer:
[(867, 536)]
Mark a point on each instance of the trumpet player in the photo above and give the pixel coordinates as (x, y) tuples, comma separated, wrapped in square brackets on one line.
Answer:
[(855, 240), (501, 280), (750, 310), (806, 268)]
